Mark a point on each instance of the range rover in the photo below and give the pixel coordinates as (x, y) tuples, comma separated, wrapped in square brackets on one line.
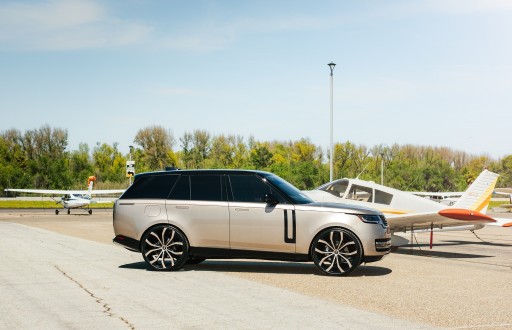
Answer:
[(181, 217)]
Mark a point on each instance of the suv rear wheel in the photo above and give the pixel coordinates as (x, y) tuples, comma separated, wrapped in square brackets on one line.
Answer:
[(336, 251), (165, 247)]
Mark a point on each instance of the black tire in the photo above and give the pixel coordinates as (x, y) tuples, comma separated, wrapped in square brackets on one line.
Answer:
[(69, 211), (336, 251), (56, 212), (195, 261), (165, 247), (90, 211)]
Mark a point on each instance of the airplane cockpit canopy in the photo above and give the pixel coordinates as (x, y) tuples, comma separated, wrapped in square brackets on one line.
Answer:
[(356, 192)]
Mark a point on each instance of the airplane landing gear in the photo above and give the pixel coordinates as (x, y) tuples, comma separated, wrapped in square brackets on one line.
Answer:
[(69, 211), (56, 212), (90, 211)]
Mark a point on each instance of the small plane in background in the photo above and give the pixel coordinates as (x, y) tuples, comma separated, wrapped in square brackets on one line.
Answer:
[(447, 198), (73, 199), (407, 212), (507, 192)]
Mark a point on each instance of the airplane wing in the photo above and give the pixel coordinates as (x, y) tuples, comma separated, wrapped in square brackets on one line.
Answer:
[(503, 190), (66, 192), (106, 192), (449, 217), (438, 194)]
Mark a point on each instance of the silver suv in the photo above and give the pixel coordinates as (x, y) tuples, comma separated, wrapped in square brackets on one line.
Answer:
[(186, 216)]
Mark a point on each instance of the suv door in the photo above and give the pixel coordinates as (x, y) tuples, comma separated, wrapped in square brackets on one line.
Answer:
[(256, 225), (198, 204)]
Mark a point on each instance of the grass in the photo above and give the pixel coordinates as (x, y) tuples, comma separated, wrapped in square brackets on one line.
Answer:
[(497, 203), (17, 204)]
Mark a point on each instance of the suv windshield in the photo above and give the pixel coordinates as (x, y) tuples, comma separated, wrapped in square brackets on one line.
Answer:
[(293, 193)]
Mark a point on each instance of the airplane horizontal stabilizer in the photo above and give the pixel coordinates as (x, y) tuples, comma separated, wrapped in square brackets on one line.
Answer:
[(502, 222), (466, 215)]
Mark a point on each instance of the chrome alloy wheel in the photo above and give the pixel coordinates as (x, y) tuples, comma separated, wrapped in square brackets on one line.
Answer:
[(336, 251), (165, 248)]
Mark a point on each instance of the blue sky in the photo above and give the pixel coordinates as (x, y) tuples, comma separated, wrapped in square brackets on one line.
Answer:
[(426, 72)]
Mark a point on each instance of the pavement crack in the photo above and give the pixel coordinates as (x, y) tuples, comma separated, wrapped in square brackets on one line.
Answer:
[(107, 310)]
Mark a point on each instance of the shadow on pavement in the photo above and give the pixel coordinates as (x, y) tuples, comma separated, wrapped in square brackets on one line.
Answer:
[(230, 266), (438, 254)]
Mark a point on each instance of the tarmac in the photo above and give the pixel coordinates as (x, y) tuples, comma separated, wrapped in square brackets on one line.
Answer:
[(63, 271)]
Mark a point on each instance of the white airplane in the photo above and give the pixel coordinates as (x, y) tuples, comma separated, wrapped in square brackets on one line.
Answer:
[(408, 212), (73, 199), (447, 198), (506, 192)]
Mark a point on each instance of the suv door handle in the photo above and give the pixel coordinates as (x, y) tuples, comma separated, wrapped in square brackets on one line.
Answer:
[(182, 207)]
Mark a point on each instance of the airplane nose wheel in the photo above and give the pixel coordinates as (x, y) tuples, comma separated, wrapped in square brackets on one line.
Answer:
[(56, 212), (69, 211), (90, 211)]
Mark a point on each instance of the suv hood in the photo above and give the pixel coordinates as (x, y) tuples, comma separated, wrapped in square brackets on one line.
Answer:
[(346, 208)]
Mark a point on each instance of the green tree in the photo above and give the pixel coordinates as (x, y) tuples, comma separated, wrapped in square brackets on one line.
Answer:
[(81, 165), (157, 144), (261, 157), (109, 163)]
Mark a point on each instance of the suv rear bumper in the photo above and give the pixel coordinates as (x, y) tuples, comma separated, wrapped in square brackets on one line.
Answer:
[(129, 243)]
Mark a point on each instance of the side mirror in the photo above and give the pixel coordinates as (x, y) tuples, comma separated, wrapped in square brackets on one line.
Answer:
[(271, 199)]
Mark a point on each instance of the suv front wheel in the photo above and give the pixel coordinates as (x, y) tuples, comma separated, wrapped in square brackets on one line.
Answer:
[(336, 251), (165, 247)]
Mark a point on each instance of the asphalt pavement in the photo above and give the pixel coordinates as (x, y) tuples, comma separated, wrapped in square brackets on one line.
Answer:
[(49, 280)]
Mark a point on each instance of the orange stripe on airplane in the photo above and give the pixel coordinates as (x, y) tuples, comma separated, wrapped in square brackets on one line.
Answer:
[(393, 212), (484, 203)]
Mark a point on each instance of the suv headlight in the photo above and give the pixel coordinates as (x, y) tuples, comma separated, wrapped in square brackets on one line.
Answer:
[(370, 218)]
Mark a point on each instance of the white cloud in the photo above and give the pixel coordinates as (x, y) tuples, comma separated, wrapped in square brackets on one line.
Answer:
[(210, 36), (444, 7), (64, 25), (49, 15)]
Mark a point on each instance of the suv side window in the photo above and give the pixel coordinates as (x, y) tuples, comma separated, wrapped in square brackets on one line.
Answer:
[(202, 187), (206, 188), (150, 187), (181, 190), (251, 189)]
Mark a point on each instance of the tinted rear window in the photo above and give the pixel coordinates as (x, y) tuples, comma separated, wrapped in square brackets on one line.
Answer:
[(150, 187), (202, 187)]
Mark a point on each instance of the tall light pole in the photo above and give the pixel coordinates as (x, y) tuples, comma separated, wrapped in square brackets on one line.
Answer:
[(331, 66), (131, 149), (382, 168)]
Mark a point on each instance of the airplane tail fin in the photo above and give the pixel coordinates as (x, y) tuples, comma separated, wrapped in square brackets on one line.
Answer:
[(90, 183), (478, 195)]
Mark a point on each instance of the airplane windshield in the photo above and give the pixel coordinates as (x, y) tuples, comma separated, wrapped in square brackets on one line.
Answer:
[(336, 188)]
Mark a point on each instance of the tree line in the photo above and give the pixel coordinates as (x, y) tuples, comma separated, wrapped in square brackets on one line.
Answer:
[(40, 159)]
